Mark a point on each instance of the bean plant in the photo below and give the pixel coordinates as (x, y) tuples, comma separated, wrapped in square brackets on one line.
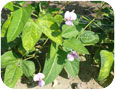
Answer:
[(30, 29)]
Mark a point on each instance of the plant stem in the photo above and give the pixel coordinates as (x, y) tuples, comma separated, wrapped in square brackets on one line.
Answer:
[(16, 6), (61, 9), (91, 21), (85, 27), (39, 65), (40, 7), (45, 42), (29, 57), (34, 14), (100, 9)]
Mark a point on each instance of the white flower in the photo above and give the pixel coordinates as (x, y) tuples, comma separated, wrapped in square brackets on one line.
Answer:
[(39, 77), (69, 17)]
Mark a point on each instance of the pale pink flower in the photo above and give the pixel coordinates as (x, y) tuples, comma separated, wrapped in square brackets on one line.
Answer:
[(72, 55), (69, 17), (39, 77)]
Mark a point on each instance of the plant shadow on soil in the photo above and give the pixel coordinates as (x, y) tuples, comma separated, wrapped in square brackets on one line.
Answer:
[(90, 71), (86, 73), (29, 81)]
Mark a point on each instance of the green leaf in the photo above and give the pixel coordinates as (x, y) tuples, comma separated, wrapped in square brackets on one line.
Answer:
[(28, 68), (76, 22), (95, 2), (50, 29), (9, 6), (31, 34), (21, 50), (53, 11), (97, 56), (8, 58), (53, 49), (20, 18), (69, 31), (21, 3), (106, 64), (72, 67), (53, 66), (89, 37), (5, 26), (58, 19), (12, 75), (76, 45), (8, 46)]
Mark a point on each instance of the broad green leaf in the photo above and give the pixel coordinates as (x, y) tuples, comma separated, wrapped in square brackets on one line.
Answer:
[(106, 64), (76, 45), (8, 58), (19, 19), (89, 37), (31, 34), (53, 66), (5, 26), (12, 75), (50, 29), (23, 52), (53, 48), (28, 68), (9, 6), (69, 31), (49, 69), (72, 67), (58, 19)]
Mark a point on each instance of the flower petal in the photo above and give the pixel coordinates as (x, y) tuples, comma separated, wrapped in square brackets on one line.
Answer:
[(41, 83), (41, 76), (36, 77), (67, 15), (75, 54), (69, 23), (73, 16), (70, 57)]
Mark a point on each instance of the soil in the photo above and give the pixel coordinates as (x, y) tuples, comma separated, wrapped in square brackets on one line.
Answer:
[(87, 78)]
